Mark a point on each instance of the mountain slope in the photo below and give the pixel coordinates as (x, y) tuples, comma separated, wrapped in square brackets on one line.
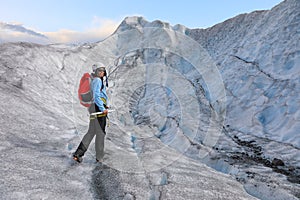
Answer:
[(179, 102), (258, 56), (42, 123)]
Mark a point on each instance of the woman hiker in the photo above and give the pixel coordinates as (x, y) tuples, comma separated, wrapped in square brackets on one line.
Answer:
[(97, 122)]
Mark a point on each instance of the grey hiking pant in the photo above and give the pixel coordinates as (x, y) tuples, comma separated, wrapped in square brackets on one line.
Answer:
[(96, 127)]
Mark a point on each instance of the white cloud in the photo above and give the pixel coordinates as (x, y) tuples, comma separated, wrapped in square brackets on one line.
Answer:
[(98, 30)]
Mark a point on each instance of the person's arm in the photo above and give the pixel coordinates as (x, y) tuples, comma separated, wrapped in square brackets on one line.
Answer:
[(97, 83)]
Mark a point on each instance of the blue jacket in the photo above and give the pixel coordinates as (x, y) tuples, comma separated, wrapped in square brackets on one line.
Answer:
[(98, 93)]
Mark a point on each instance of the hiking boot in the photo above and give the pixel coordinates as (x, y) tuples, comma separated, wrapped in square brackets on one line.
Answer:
[(99, 161), (77, 158)]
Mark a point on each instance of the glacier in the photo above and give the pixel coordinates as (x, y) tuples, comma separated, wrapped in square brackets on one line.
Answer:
[(199, 113)]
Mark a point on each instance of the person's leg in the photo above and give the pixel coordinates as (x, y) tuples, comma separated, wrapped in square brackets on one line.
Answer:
[(86, 140), (100, 136)]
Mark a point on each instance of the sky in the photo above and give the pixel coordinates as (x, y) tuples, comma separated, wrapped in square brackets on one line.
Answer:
[(77, 21)]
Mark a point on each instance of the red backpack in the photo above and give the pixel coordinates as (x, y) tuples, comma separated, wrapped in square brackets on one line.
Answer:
[(85, 93)]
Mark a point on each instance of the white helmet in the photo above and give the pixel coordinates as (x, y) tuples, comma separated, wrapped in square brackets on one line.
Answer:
[(97, 65)]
